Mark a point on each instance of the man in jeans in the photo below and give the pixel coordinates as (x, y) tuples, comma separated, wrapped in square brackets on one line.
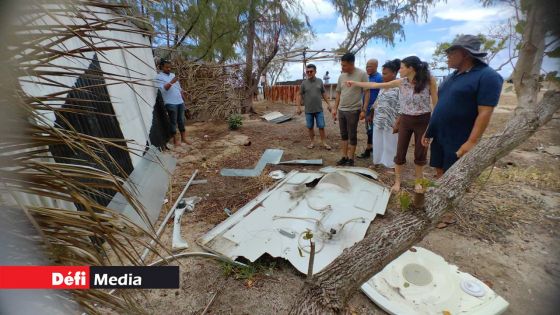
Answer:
[(173, 97), (374, 76), (350, 107), (311, 92)]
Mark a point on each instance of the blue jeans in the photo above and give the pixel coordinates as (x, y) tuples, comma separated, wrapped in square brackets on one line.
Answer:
[(176, 114), (310, 118)]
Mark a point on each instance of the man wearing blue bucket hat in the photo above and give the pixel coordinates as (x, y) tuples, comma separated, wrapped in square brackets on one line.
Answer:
[(466, 100)]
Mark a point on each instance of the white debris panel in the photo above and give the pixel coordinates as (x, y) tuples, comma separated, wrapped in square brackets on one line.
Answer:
[(420, 282), (337, 207)]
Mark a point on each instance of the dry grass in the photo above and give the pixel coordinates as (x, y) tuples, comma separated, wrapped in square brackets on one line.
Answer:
[(498, 203)]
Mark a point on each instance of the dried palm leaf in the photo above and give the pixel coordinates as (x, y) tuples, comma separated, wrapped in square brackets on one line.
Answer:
[(35, 40)]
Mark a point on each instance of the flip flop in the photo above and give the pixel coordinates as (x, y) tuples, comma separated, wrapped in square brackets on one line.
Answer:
[(311, 146), (327, 147)]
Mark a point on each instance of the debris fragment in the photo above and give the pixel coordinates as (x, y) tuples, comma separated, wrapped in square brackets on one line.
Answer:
[(270, 156), (200, 182), (442, 288), (303, 162), (276, 117), (168, 216), (337, 211), (186, 204), (278, 174)]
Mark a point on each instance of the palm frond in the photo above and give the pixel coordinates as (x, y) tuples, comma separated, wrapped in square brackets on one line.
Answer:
[(39, 35)]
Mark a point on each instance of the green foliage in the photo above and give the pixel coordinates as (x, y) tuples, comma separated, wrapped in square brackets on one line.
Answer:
[(425, 183), (405, 200), (492, 45), (235, 121), (216, 30), (356, 15), (249, 272), (552, 76), (520, 27), (202, 30), (555, 53)]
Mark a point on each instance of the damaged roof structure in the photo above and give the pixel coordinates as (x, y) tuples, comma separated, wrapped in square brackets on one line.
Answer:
[(337, 207)]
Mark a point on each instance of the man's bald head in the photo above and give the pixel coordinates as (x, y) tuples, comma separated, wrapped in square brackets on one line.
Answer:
[(371, 66)]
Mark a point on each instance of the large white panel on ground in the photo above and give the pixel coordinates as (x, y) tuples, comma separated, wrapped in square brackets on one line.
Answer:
[(330, 205)]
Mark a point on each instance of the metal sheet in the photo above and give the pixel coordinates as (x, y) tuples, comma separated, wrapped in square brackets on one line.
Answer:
[(149, 181), (267, 223), (351, 169), (280, 120), (270, 156), (397, 291), (303, 162), (272, 115)]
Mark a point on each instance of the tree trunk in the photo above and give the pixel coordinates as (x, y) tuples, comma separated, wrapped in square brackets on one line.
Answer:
[(331, 288), (250, 84), (528, 66)]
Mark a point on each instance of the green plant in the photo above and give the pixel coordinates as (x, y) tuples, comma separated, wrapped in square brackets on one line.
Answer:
[(425, 183), (405, 200), (249, 272), (235, 121)]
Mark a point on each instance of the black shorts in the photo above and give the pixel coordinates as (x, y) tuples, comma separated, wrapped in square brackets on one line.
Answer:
[(442, 156)]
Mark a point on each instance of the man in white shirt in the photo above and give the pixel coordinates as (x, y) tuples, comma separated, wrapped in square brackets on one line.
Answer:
[(173, 97)]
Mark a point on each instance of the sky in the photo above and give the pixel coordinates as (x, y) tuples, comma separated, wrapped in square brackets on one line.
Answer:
[(445, 20)]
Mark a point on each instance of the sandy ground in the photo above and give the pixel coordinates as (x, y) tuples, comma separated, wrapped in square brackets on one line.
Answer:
[(507, 231)]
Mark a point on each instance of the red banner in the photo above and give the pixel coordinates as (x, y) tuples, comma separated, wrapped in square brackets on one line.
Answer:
[(44, 277), (89, 277)]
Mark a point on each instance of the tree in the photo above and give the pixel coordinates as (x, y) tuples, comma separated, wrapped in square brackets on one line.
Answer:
[(329, 290), (208, 30), (287, 44), (32, 55), (357, 14), (492, 44), (268, 21)]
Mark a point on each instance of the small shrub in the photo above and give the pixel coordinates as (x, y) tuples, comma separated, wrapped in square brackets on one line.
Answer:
[(405, 200), (425, 183), (235, 121)]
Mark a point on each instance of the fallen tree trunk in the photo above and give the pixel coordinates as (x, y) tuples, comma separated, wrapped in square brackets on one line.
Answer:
[(330, 289)]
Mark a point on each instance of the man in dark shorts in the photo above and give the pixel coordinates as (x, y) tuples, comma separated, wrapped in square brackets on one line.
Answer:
[(466, 100), (312, 92), (350, 107)]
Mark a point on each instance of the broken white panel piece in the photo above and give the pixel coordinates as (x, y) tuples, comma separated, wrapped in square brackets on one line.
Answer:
[(272, 115), (420, 282), (336, 207), (189, 203)]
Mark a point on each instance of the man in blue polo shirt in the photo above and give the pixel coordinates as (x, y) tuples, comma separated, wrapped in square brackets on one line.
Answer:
[(466, 100), (374, 76)]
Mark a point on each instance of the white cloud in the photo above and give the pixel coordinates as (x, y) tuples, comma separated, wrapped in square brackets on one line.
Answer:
[(318, 9), (470, 10), (422, 49), (328, 41)]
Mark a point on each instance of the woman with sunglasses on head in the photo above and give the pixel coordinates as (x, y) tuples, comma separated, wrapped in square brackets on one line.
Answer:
[(417, 98)]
